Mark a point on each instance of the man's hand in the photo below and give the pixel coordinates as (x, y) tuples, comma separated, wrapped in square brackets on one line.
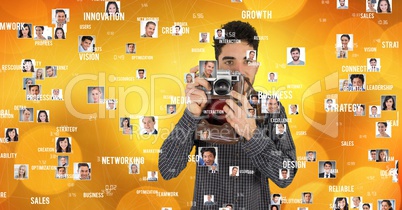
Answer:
[(237, 116), (197, 97)]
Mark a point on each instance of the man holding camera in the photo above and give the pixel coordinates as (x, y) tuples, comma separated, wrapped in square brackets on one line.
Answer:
[(259, 157)]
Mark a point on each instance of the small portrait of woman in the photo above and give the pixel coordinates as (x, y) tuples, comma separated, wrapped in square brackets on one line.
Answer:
[(63, 145)]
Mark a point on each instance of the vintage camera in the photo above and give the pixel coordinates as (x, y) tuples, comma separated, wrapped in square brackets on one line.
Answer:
[(214, 120), (224, 82)]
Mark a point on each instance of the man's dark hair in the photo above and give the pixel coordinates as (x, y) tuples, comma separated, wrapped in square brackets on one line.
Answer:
[(150, 22), (31, 86), (86, 37), (58, 168), (373, 59), (178, 27), (284, 169), (294, 49), (242, 31), (359, 76), (83, 165), (276, 195), (328, 100), (208, 149), (328, 163), (307, 193), (374, 107), (295, 105), (139, 70), (60, 10), (373, 150), (152, 118)]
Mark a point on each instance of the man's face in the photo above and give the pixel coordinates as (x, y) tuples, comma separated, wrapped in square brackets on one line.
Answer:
[(209, 68), (131, 48), (373, 155), (295, 55), (204, 36), (209, 197), (208, 158), (86, 44), (205, 134), (148, 124), (373, 110), (357, 82), (342, 3), (373, 63), (329, 103), (219, 33), (38, 31), (293, 108), (307, 197), (150, 30), (310, 156), (153, 173), (62, 171), (61, 17), (62, 161), (251, 55), (56, 92), (232, 58), (49, 72), (234, 171), (252, 112), (34, 90), (281, 128), (272, 105), (141, 74), (276, 199), (111, 105), (356, 201), (84, 172), (171, 109), (271, 76), (327, 168), (254, 100), (177, 30), (284, 174)]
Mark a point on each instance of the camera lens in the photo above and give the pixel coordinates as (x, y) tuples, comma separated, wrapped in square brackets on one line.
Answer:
[(222, 87)]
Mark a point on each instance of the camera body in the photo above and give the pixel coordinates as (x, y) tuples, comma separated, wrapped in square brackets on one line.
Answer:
[(225, 82)]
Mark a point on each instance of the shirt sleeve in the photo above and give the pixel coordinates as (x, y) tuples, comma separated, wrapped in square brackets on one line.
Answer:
[(271, 154), (176, 148)]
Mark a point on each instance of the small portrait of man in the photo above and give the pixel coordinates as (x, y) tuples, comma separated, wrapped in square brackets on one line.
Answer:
[(307, 197), (177, 30), (61, 172), (204, 37), (311, 156), (327, 168), (61, 17), (272, 77), (86, 44), (63, 161), (375, 111), (251, 55), (297, 56), (149, 29), (330, 104), (51, 71), (141, 74), (234, 171), (152, 176), (208, 69), (276, 199), (208, 156), (283, 173), (373, 64), (342, 4), (130, 48), (57, 94), (219, 33), (280, 129), (209, 200), (171, 108), (356, 202), (293, 109), (34, 92), (251, 113), (111, 104), (372, 155), (254, 100), (213, 169), (357, 81), (205, 134), (149, 125), (83, 171), (271, 105)]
